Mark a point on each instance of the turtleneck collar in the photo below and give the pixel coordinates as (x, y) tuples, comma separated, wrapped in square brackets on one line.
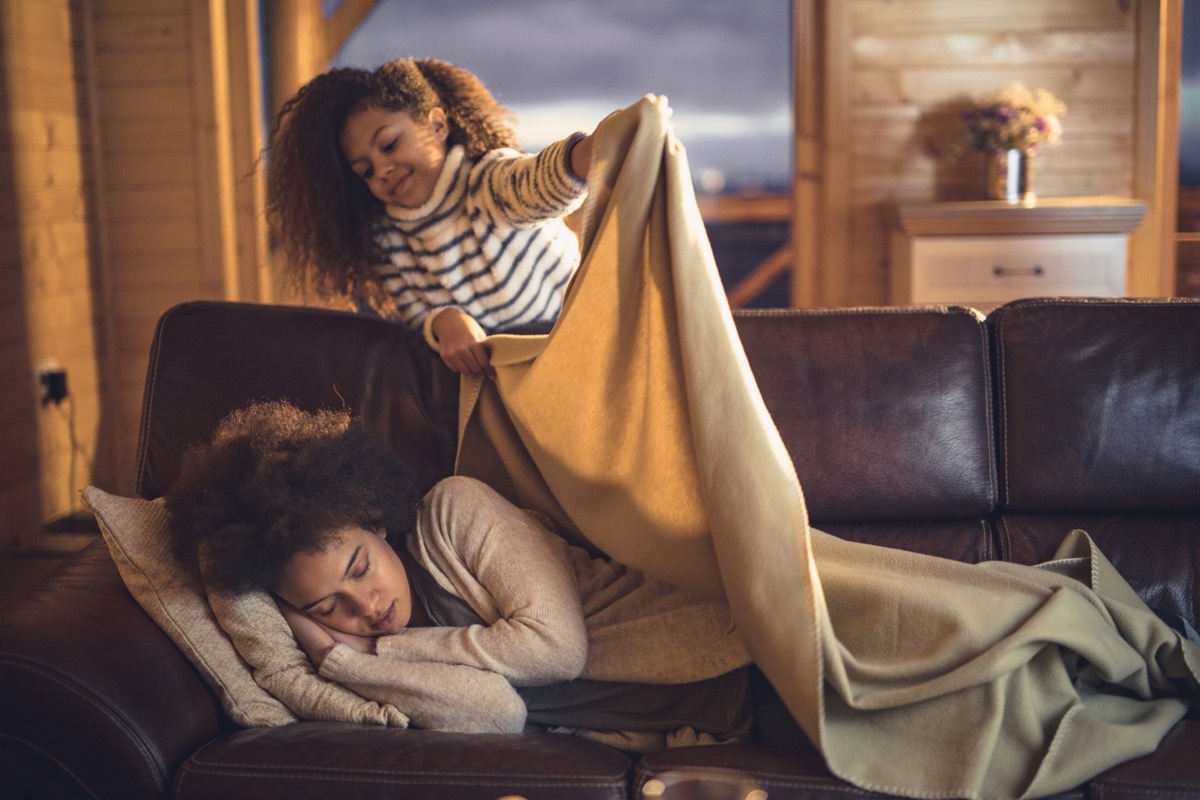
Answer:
[(442, 190)]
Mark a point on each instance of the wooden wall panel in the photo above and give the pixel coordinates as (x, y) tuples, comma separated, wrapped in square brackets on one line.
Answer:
[(131, 136), (168, 65), (901, 71), (162, 78), (148, 31), (124, 133), (955, 16), (47, 284)]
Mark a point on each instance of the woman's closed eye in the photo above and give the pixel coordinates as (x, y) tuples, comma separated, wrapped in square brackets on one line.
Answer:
[(357, 574), (362, 571)]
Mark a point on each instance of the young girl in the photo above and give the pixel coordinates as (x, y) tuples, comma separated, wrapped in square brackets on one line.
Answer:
[(309, 506), (403, 187)]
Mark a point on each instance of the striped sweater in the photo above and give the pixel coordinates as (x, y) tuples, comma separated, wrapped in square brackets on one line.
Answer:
[(490, 240)]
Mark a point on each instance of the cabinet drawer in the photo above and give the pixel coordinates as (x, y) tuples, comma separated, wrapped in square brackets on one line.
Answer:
[(987, 271)]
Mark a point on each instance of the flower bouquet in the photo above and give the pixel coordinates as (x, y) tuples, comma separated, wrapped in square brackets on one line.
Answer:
[(1011, 127), (1015, 119)]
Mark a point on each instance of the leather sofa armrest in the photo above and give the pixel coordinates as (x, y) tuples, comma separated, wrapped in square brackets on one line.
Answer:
[(95, 692)]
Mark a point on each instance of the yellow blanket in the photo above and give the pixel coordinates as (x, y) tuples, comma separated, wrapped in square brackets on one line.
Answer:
[(637, 426)]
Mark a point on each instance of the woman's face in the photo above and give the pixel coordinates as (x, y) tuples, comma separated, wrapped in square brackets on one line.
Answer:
[(398, 157), (356, 585)]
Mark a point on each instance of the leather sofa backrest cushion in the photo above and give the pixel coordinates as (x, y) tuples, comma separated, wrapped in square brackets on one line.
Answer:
[(209, 358), (885, 412), (1099, 405), (1158, 554)]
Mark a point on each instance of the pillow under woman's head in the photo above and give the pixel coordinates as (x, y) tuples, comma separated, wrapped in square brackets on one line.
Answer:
[(234, 641)]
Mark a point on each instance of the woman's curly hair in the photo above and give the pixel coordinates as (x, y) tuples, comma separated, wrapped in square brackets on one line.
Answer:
[(275, 481), (322, 212)]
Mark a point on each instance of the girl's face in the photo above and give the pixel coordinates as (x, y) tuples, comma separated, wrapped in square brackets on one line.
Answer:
[(397, 156), (356, 585)]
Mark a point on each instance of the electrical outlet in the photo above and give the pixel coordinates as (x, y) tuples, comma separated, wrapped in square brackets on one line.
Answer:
[(53, 382)]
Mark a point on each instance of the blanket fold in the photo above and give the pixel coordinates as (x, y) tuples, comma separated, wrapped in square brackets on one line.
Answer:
[(637, 426)]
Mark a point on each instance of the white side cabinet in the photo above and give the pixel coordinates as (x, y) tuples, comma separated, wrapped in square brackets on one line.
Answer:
[(983, 254)]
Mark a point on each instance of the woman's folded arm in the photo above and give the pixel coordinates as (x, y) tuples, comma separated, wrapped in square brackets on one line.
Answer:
[(443, 697), (513, 572)]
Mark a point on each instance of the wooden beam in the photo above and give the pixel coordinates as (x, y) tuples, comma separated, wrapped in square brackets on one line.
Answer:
[(301, 41), (761, 277), (255, 282), (806, 228), (116, 460), (1148, 245), (295, 50), (342, 23), (213, 148), (838, 162)]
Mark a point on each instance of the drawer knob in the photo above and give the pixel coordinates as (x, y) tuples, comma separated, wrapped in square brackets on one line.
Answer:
[(1001, 271)]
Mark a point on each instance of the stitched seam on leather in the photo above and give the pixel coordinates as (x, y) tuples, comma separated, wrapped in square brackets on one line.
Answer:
[(764, 778), (198, 764), (1005, 540), (862, 788), (151, 385), (1146, 302), (112, 712), (1002, 422), (986, 530), (362, 776), (854, 311), (989, 392), (1098, 791), (42, 752)]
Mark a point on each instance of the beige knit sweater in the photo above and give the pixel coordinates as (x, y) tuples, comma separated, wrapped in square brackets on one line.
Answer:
[(553, 612)]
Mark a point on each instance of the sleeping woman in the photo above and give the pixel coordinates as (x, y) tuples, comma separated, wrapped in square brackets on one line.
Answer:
[(375, 579)]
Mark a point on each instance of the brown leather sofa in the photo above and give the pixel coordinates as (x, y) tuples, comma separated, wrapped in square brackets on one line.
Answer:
[(929, 429)]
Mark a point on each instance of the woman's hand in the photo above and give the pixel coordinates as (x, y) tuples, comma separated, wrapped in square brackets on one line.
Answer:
[(363, 644), (315, 639), (460, 342)]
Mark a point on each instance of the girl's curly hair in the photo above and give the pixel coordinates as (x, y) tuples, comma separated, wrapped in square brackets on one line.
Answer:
[(321, 211), (275, 481)]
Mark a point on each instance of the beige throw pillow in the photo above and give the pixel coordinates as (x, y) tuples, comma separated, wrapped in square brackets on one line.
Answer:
[(137, 534), (240, 644)]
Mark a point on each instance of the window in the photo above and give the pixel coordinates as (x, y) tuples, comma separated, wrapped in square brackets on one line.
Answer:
[(562, 65)]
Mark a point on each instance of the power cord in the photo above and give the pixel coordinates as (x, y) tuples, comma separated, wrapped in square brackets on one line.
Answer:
[(76, 450)]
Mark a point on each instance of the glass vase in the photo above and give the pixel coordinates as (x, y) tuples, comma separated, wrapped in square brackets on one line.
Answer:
[(1010, 177)]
